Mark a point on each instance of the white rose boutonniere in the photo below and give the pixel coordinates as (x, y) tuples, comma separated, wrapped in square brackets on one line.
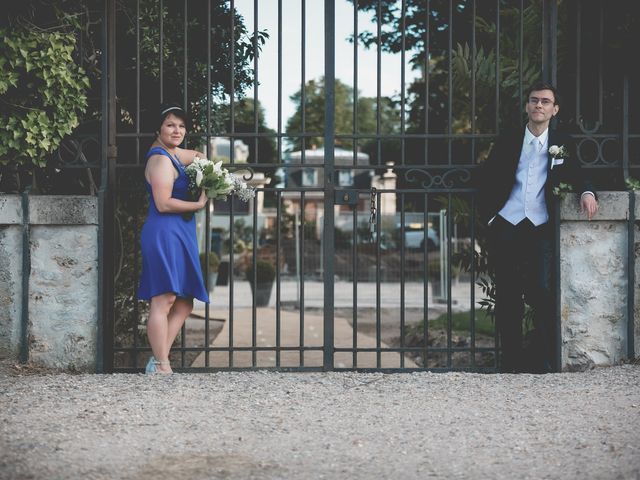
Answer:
[(558, 154)]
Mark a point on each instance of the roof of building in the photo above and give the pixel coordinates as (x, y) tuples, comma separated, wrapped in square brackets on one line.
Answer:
[(316, 156)]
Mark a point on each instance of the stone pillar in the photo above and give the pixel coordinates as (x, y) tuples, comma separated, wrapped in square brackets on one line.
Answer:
[(63, 281), (10, 275), (594, 278)]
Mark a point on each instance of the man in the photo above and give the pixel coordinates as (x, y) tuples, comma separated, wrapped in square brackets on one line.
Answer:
[(516, 201)]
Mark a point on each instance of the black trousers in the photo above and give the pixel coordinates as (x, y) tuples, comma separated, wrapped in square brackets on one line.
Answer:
[(522, 258)]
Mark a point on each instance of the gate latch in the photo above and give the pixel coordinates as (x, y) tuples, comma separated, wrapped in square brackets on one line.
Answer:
[(346, 197)]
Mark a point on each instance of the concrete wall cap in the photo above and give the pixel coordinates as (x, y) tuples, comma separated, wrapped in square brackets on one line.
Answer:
[(612, 206), (63, 210), (10, 209)]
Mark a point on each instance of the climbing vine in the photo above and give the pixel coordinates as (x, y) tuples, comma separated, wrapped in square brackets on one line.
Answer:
[(42, 94)]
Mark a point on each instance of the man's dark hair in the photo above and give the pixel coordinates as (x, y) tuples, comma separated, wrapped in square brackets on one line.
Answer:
[(544, 86)]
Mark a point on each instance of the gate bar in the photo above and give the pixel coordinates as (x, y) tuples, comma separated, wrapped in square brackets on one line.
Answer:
[(26, 275), (329, 185), (104, 362), (631, 259)]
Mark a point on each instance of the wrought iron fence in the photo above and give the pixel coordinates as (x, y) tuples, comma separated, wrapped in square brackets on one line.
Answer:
[(393, 291)]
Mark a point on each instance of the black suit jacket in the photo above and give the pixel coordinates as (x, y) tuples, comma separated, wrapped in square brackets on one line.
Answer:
[(496, 177)]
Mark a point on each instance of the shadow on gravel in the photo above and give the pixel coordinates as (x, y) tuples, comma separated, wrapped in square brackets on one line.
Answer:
[(207, 466)]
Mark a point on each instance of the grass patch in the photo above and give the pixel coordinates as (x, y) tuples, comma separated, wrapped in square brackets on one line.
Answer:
[(461, 321)]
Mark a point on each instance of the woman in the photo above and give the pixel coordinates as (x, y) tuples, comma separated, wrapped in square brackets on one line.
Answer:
[(171, 275)]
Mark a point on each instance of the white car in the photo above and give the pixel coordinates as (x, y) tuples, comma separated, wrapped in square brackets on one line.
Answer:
[(414, 237)]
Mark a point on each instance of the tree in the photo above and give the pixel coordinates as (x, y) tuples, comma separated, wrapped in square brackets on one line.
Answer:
[(434, 25), (343, 117), (262, 149), (210, 82), (206, 87)]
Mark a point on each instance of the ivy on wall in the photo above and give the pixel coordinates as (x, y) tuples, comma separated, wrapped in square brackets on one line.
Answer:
[(42, 94)]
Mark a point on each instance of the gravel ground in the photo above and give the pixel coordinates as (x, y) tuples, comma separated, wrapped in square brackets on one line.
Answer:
[(266, 425)]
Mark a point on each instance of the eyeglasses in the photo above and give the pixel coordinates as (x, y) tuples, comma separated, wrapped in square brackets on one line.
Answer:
[(544, 101)]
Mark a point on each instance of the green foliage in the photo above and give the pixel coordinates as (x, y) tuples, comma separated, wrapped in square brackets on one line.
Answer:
[(562, 189), (482, 66), (212, 79), (470, 257), (265, 272), (460, 324), (484, 322), (261, 149), (478, 258), (427, 25), (214, 262), (434, 269), (314, 93), (42, 92), (461, 321), (129, 312), (632, 184)]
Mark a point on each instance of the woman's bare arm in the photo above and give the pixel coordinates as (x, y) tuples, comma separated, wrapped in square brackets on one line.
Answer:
[(187, 156), (160, 173)]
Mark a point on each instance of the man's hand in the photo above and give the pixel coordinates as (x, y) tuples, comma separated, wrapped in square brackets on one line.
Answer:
[(589, 205)]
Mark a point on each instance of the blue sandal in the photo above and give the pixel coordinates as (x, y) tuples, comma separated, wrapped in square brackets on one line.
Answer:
[(151, 365)]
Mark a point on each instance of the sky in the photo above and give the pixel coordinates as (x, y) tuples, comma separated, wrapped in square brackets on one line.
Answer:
[(314, 48)]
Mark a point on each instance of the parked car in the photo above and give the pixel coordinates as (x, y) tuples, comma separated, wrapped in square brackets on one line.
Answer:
[(414, 237)]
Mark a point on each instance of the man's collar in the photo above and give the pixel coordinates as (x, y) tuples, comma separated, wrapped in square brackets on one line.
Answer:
[(530, 137)]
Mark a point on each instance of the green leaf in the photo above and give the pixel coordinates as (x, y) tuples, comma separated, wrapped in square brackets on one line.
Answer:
[(38, 71)]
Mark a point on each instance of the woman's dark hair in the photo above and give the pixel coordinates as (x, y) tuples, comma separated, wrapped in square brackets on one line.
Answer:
[(171, 108), (544, 86)]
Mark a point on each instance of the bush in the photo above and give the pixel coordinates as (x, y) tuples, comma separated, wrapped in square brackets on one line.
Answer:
[(434, 269), (43, 92), (265, 272), (214, 262)]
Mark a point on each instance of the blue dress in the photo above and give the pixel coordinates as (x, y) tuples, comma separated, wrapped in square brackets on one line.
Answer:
[(170, 261)]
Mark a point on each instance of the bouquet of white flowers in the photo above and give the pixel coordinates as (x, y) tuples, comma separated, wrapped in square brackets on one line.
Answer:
[(217, 181)]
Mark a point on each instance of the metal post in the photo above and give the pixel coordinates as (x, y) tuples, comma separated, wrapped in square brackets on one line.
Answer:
[(631, 229), (104, 361), (549, 74), (625, 128), (549, 41), (329, 186), (631, 266), (26, 274)]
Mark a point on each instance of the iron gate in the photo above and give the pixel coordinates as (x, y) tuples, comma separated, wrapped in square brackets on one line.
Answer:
[(390, 288)]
